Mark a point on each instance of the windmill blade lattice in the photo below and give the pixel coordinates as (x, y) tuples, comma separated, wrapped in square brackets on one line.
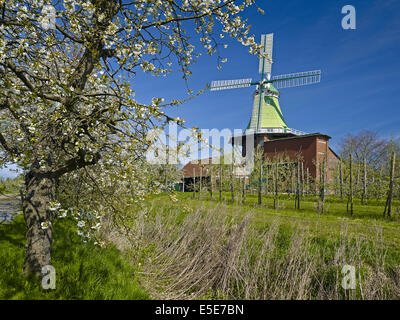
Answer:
[(266, 114), (230, 84), (296, 79), (265, 65)]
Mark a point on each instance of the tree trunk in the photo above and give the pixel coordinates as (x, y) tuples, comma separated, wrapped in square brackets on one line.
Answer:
[(321, 200), (244, 190), (166, 179), (364, 194), (302, 179), (297, 202), (350, 200), (260, 184), (293, 181), (201, 181), (276, 197), (232, 191), (380, 183), (341, 176), (211, 185), (194, 183), (220, 182), (389, 200), (40, 190)]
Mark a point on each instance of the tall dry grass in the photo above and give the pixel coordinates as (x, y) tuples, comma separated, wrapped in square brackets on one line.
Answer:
[(213, 254)]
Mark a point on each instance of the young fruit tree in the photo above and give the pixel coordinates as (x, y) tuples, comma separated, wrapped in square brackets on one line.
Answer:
[(66, 98)]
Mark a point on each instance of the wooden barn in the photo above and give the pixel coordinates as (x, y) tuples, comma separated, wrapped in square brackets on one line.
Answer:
[(193, 173), (196, 173)]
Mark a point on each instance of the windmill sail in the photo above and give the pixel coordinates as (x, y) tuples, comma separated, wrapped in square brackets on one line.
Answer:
[(296, 79), (266, 115), (230, 84), (265, 65)]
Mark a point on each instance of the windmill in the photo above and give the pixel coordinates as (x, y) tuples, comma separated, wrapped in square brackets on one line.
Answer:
[(267, 116)]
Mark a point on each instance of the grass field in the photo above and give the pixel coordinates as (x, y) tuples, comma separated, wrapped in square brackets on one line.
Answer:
[(10, 186), (83, 271), (205, 249), (327, 224)]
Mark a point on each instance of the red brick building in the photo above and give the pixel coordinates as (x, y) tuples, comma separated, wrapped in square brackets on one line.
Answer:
[(311, 148)]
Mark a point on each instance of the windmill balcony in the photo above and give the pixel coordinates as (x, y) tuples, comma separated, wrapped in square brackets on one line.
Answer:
[(281, 130)]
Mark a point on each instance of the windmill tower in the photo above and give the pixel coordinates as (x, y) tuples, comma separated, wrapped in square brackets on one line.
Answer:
[(267, 121)]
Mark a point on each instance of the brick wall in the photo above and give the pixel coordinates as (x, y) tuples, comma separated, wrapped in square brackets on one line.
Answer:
[(312, 149)]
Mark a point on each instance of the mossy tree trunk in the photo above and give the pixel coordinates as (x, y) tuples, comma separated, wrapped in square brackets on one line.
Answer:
[(40, 191)]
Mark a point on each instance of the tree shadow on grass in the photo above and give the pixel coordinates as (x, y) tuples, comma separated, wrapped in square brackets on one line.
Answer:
[(14, 232)]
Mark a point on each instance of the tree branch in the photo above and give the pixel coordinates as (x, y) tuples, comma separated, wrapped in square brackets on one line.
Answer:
[(3, 141), (5, 145), (28, 84), (187, 18), (77, 163)]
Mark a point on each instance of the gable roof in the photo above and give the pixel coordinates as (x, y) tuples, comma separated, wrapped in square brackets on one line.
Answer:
[(193, 169)]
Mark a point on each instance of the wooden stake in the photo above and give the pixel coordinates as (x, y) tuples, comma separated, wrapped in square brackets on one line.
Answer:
[(260, 185), (194, 183), (379, 194), (364, 195), (201, 178), (244, 190), (232, 191), (351, 186), (220, 182), (211, 183), (276, 198), (298, 186), (341, 175), (166, 178), (324, 166), (302, 179), (293, 179), (390, 192)]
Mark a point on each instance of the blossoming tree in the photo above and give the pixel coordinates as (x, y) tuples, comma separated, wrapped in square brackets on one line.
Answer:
[(66, 100)]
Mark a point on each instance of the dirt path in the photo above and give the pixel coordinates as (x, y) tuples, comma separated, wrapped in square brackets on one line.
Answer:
[(10, 205)]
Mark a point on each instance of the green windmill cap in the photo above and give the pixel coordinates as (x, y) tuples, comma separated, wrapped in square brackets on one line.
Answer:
[(273, 89)]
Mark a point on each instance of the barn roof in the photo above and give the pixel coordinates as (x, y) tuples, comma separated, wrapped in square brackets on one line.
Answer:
[(196, 168)]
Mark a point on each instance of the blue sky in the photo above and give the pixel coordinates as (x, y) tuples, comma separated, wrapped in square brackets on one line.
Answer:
[(360, 70), (360, 86)]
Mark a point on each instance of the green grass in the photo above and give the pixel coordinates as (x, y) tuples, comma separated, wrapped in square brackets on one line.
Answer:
[(324, 227), (10, 186), (330, 240), (83, 271)]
